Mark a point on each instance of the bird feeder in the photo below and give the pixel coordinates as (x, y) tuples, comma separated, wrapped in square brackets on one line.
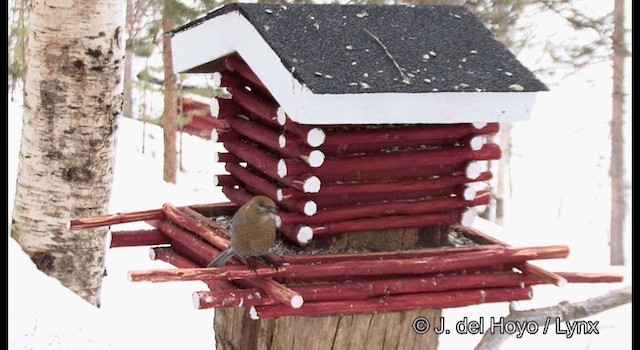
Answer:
[(351, 118), (357, 118)]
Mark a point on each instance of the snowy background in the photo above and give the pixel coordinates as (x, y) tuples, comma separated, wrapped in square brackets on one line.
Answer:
[(560, 195)]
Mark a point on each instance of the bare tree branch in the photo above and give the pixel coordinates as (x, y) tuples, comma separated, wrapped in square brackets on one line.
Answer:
[(564, 311)]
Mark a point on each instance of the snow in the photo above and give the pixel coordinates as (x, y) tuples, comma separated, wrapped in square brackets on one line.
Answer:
[(560, 195), (45, 315)]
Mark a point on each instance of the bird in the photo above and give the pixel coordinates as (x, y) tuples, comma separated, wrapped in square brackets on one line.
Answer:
[(253, 232)]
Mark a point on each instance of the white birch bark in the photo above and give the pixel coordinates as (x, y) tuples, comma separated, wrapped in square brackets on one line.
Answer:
[(72, 102)]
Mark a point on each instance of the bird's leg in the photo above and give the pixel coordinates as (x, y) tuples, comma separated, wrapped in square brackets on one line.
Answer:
[(267, 259), (249, 264)]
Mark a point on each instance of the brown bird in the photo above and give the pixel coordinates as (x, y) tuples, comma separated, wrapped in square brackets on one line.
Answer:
[(253, 232)]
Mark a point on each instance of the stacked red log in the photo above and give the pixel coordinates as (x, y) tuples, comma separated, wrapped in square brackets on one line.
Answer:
[(333, 283), (329, 179)]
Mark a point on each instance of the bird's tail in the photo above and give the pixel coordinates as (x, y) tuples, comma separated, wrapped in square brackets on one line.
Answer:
[(222, 258)]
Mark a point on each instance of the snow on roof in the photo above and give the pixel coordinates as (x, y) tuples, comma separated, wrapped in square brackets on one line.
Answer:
[(363, 61)]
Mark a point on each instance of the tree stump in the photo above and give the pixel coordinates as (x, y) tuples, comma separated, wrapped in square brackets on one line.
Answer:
[(388, 330)]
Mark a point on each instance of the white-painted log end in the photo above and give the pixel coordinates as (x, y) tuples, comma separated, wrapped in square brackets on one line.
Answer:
[(474, 169), (297, 301), (316, 137), (316, 158), (152, 254), (312, 185), (305, 234), (214, 107), (282, 141), (469, 193), (253, 313), (468, 217), (561, 282), (195, 300), (214, 136), (217, 79), (476, 142), (310, 208), (282, 168), (281, 116)]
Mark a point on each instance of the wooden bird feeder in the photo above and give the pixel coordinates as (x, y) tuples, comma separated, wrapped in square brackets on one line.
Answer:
[(351, 118)]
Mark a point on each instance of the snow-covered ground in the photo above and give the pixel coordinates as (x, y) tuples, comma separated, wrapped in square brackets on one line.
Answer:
[(45, 315)]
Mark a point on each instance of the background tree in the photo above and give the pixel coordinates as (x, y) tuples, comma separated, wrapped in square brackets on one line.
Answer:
[(616, 167), (18, 18), (607, 34), (72, 101), (148, 22)]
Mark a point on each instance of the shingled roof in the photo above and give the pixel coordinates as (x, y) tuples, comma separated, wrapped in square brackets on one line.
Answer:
[(358, 54)]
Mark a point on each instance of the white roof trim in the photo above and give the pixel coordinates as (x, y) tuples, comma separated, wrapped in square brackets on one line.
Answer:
[(220, 36)]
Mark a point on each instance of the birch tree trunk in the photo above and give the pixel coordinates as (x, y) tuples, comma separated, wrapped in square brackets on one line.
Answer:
[(616, 167), (72, 101)]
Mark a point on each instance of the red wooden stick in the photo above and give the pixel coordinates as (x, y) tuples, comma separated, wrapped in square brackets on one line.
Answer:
[(254, 181), (314, 259), (264, 162), (368, 198), (375, 140), (399, 302), (112, 219), (450, 262), (387, 186), (273, 140), (358, 175), (383, 223), (364, 289), (169, 256), (397, 160), (307, 208), (236, 63), (239, 298), (312, 136), (224, 157), (269, 166), (136, 238), (213, 236), (584, 277), (121, 218), (525, 267), (400, 136), (213, 226), (254, 103), (258, 133), (548, 276), (380, 210), (203, 252), (280, 293)]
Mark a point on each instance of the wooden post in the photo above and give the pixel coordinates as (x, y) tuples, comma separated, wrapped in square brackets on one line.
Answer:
[(234, 329)]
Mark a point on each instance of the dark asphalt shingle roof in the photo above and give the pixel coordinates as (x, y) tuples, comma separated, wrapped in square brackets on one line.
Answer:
[(340, 49)]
